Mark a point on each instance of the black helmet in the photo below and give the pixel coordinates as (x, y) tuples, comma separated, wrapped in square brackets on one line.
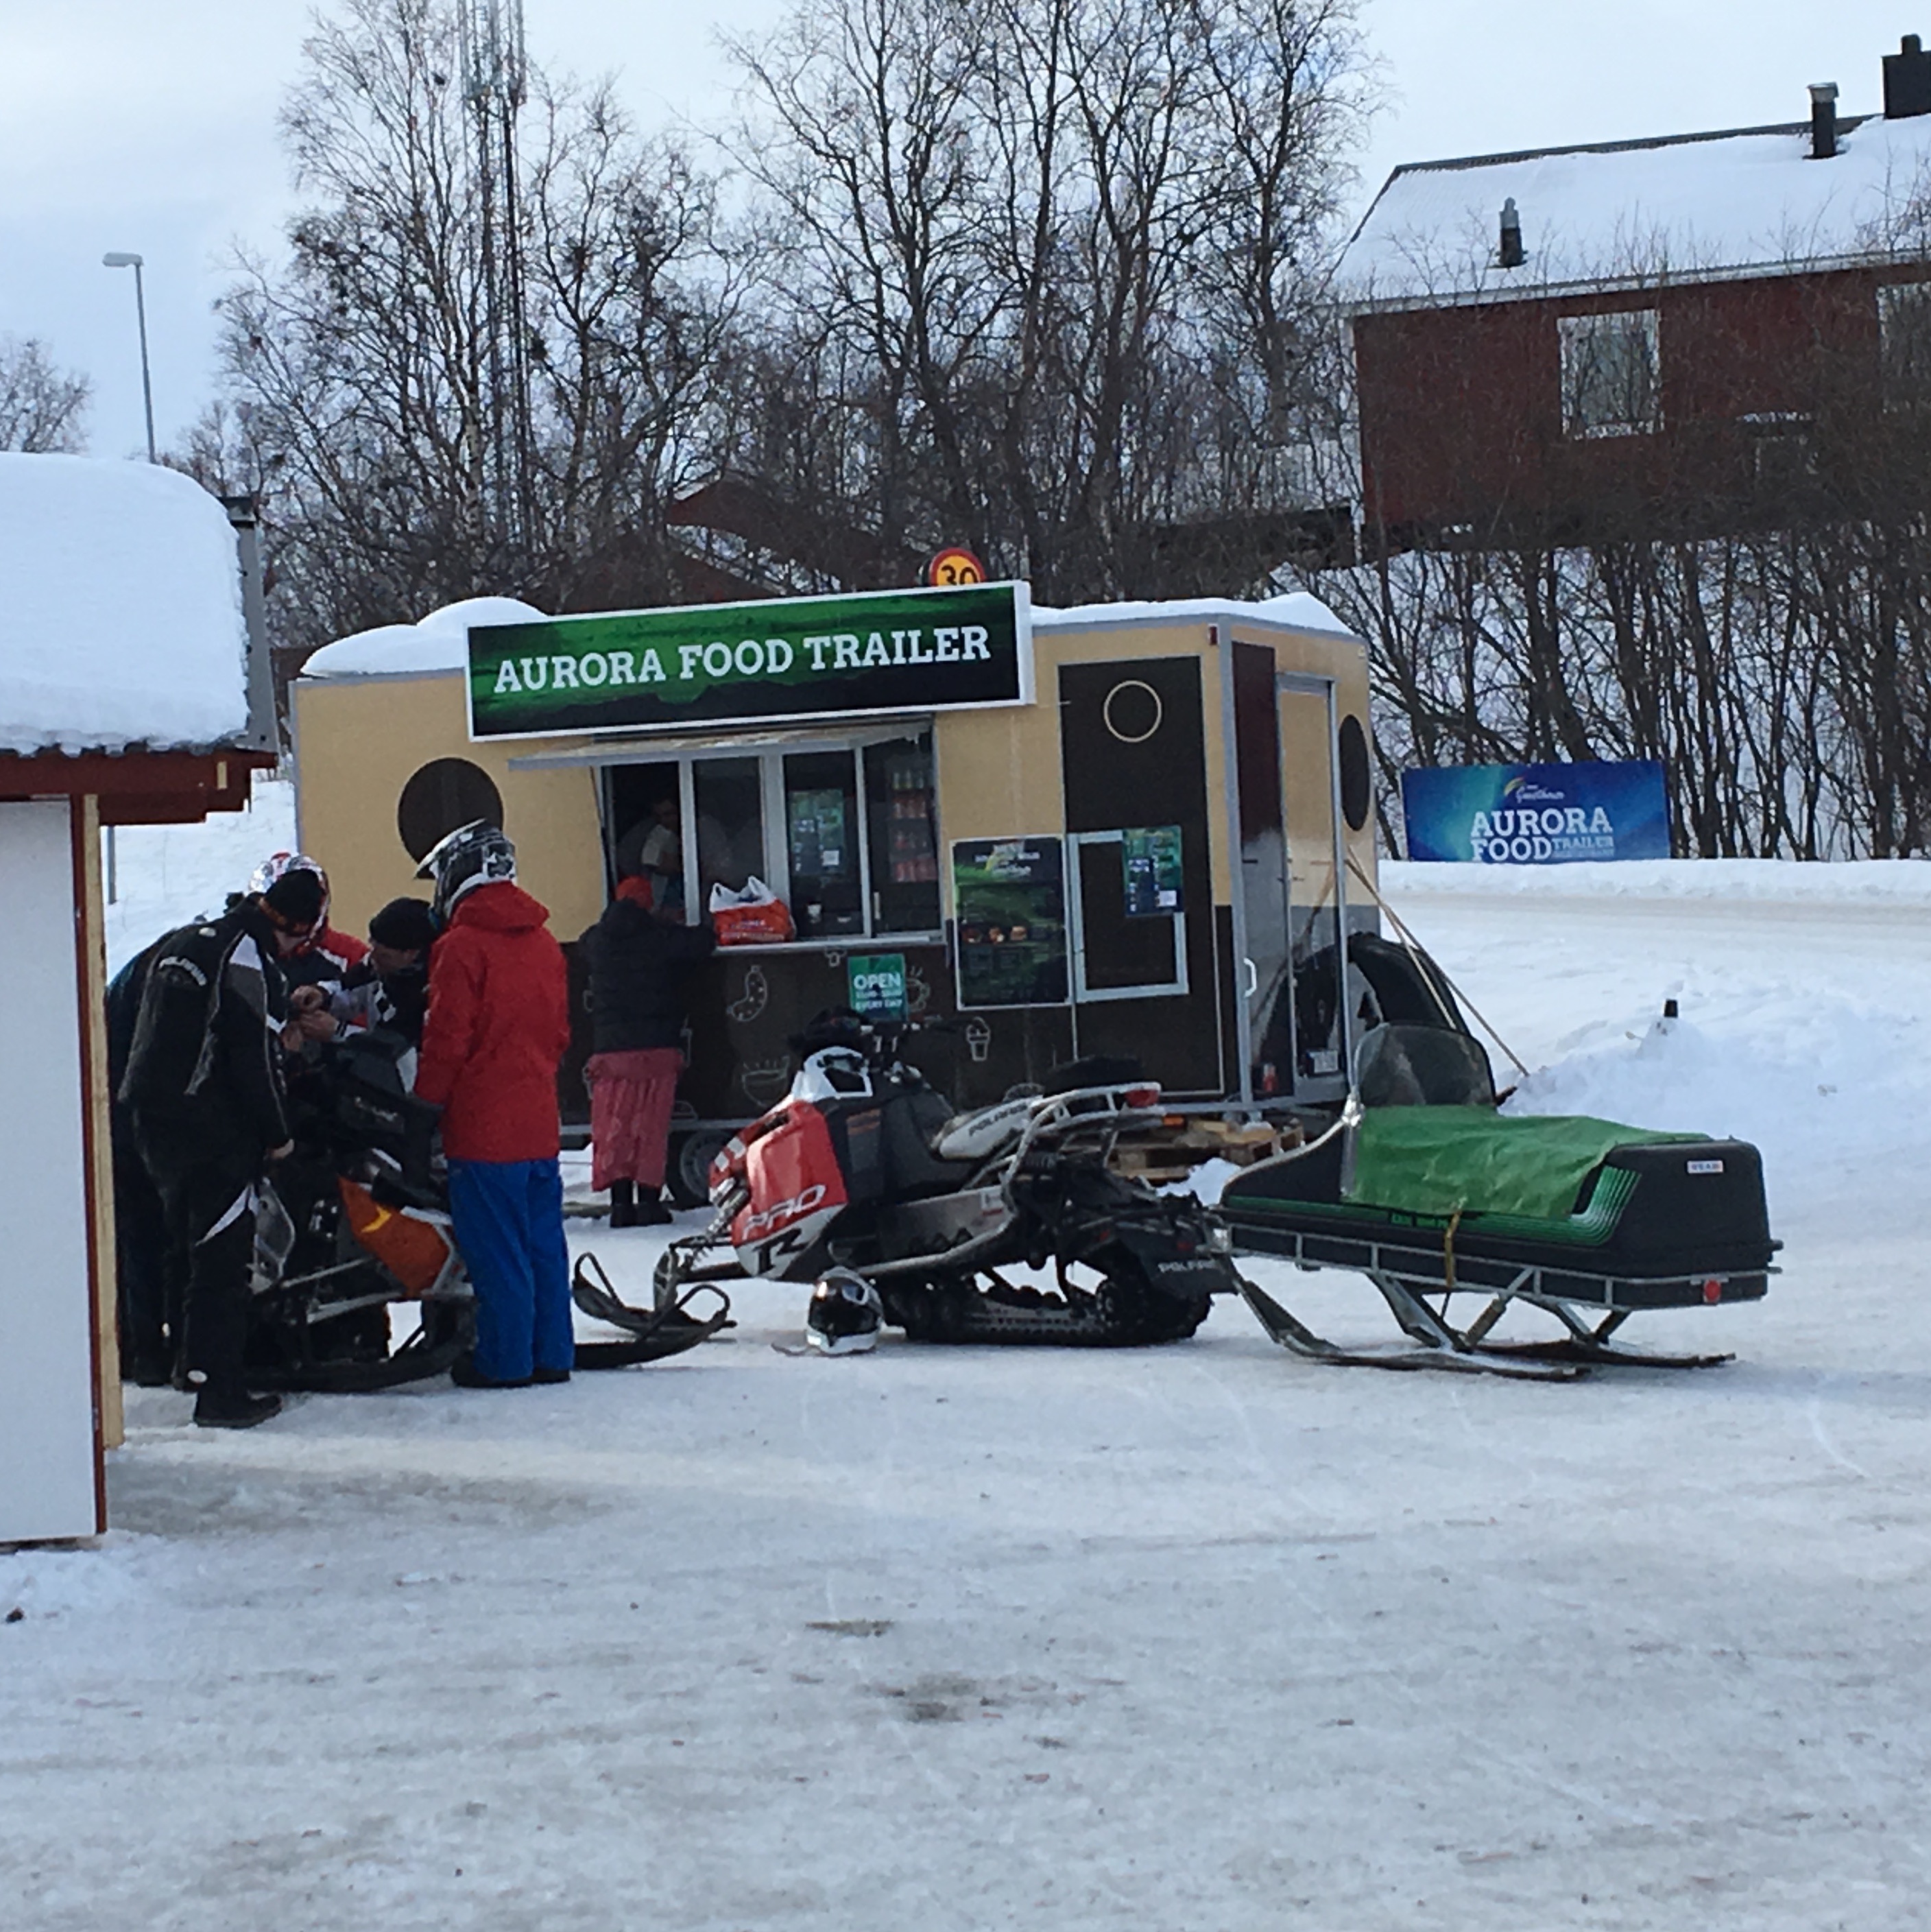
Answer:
[(475, 854), (845, 1314)]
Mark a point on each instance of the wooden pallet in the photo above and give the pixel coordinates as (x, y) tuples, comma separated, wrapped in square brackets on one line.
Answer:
[(1170, 1153)]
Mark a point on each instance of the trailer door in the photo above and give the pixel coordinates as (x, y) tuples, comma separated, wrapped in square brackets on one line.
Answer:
[(1133, 764)]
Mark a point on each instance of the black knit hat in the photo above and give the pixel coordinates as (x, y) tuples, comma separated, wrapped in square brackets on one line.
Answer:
[(404, 924), (296, 900)]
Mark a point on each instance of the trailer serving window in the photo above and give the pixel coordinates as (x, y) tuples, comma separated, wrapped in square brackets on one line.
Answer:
[(845, 833)]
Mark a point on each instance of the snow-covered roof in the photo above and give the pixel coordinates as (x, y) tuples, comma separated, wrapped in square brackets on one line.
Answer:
[(1689, 208), (1299, 609), (120, 618), (440, 642)]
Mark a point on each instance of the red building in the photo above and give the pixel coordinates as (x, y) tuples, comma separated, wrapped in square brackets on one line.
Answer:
[(1679, 336)]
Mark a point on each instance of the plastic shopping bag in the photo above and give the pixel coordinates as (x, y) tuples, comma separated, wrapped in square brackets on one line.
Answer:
[(754, 916)]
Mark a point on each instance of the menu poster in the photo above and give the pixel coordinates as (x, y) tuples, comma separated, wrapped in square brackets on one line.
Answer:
[(1152, 856), (1009, 897)]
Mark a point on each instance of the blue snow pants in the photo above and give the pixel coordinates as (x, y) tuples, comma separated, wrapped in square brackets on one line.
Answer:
[(509, 1225)]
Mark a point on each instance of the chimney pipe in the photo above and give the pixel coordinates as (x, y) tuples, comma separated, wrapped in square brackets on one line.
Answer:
[(1907, 80), (1823, 120), (1512, 255)]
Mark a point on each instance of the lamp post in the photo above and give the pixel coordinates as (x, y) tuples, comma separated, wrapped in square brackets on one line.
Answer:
[(118, 258)]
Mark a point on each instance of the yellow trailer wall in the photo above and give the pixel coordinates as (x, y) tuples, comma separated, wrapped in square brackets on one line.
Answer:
[(359, 740), (358, 743)]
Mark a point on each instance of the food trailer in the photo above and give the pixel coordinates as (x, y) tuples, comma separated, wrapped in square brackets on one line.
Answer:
[(1133, 831)]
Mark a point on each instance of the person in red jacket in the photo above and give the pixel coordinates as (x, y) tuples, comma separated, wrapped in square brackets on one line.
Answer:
[(498, 1025)]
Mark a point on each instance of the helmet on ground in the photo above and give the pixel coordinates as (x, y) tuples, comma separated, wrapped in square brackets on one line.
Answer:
[(475, 854), (845, 1314)]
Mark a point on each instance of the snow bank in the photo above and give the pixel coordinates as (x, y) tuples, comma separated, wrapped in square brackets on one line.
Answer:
[(1687, 207), (120, 616), (440, 642), (1886, 880)]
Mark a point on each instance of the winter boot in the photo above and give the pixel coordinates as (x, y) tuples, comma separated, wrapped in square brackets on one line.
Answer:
[(623, 1204), (651, 1211), (237, 1409), (464, 1375)]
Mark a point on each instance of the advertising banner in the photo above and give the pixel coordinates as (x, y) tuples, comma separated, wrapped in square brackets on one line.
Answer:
[(792, 658), (1011, 900), (1537, 815)]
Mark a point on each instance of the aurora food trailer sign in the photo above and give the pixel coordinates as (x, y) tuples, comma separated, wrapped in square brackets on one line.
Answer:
[(777, 660)]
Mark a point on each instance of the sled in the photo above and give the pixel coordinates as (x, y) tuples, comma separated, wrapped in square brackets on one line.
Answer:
[(1424, 1189)]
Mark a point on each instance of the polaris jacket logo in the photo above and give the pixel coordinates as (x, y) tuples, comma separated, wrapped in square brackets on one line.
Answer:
[(767, 1220)]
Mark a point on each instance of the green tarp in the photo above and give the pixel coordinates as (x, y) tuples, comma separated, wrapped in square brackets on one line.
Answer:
[(1445, 1160)]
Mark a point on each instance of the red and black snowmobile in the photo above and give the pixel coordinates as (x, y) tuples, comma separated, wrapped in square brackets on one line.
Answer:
[(865, 1170)]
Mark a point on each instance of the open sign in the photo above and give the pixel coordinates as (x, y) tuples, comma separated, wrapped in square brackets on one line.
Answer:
[(875, 986)]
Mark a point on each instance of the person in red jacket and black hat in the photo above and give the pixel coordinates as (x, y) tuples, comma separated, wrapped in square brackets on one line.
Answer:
[(498, 1027)]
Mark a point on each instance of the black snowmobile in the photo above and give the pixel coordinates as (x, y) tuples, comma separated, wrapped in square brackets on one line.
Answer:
[(355, 1223), (865, 1171)]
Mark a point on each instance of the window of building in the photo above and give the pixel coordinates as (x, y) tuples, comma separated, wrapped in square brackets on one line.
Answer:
[(1904, 337), (902, 825), (822, 831), (847, 835), (1611, 381)]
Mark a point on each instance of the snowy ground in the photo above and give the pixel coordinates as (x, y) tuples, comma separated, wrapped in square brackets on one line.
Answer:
[(1202, 1638)]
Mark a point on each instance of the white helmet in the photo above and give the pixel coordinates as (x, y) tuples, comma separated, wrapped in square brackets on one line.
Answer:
[(475, 854), (845, 1314)]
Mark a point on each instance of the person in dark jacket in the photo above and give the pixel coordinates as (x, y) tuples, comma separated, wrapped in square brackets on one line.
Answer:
[(389, 988), (148, 1300), (204, 1084), (640, 964), (498, 1028)]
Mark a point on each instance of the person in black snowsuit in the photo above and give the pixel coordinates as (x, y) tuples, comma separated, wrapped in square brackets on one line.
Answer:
[(204, 1083), (147, 1297), (639, 964)]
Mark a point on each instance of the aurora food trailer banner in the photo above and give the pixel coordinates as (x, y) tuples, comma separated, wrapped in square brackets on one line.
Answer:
[(1537, 815), (793, 659)]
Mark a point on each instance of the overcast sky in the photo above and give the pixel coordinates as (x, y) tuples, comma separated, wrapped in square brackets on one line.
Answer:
[(150, 125)]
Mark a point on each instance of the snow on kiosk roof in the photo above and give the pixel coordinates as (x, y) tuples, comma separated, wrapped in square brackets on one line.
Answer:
[(1682, 208), (121, 610)]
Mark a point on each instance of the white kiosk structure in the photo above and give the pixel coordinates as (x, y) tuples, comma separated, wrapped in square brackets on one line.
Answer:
[(129, 694)]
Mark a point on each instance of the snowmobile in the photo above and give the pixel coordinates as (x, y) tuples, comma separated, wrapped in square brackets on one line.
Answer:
[(1422, 1185), (865, 1170), (355, 1223)]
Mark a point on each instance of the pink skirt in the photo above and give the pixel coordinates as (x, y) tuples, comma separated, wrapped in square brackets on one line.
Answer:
[(631, 1095)]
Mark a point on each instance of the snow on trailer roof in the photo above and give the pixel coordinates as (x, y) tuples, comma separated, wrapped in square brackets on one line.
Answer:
[(1682, 208), (121, 618), (439, 643), (1298, 610)]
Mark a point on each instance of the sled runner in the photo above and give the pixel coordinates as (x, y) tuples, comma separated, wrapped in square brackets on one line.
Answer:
[(1424, 1188)]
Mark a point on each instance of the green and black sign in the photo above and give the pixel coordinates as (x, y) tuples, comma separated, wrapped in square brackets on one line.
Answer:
[(785, 658)]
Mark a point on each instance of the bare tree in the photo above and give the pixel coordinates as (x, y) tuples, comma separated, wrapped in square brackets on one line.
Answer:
[(42, 407), (1050, 264), (359, 368)]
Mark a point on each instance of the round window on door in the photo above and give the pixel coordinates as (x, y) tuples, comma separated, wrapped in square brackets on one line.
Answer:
[(444, 793), (1356, 791)]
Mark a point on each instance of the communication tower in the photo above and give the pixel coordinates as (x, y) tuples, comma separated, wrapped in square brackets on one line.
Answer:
[(495, 75)]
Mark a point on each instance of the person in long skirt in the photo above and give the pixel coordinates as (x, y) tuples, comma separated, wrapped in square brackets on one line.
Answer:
[(640, 963)]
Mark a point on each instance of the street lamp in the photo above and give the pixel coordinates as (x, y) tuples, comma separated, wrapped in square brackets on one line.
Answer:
[(118, 258)]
